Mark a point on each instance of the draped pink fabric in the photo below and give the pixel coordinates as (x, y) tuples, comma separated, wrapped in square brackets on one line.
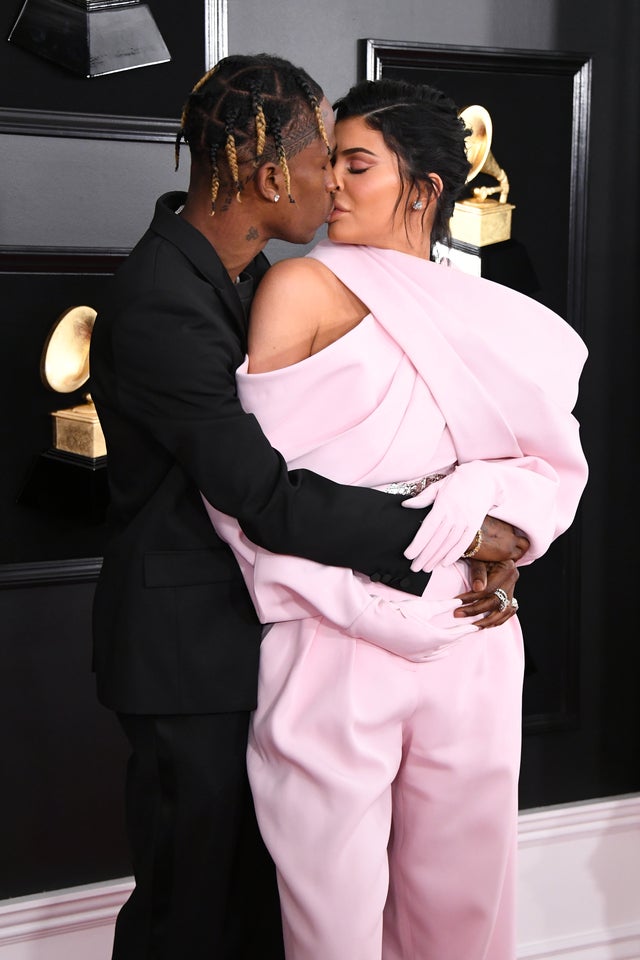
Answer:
[(503, 369), (450, 366), (375, 708)]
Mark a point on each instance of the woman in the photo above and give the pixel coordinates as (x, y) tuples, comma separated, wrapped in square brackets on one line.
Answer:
[(385, 780)]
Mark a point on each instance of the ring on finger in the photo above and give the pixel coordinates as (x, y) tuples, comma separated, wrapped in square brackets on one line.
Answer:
[(515, 604), (503, 598)]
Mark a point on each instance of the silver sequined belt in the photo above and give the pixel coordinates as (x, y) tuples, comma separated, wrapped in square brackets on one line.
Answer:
[(411, 488)]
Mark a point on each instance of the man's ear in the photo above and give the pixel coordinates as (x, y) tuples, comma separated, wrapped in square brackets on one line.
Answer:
[(267, 180)]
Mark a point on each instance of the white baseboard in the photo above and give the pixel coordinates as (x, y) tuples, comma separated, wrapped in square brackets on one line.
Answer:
[(621, 944), (579, 894), (72, 924), (579, 881)]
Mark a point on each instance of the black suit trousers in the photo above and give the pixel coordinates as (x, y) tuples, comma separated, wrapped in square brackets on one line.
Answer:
[(205, 884)]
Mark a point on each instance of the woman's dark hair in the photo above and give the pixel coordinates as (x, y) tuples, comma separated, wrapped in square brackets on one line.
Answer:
[(251, 108), (421, 126)]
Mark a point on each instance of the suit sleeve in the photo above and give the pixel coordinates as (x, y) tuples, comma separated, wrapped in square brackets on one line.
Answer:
[(176, 366), (291, 588)]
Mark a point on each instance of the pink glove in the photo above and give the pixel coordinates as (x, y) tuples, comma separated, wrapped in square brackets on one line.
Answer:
[(462, 501), (424, 629)]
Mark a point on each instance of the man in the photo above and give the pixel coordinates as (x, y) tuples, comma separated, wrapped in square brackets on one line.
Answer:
[(176, 639)]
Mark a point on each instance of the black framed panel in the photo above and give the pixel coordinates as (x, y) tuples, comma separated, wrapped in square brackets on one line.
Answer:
[(86, 126), (62, 812), (539, 103), (58, 539), (138, 104), (153, 91), (540, 106)]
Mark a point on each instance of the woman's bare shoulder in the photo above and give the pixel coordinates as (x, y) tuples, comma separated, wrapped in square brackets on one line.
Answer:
[(291, 303), (298, 276)]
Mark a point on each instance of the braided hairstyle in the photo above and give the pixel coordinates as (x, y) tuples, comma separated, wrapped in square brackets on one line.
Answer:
[(421, 126), (250, 109)]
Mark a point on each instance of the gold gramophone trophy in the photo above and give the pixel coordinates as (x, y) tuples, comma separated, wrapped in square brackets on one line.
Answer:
[(481, 220), (64, 367), (70, 478)]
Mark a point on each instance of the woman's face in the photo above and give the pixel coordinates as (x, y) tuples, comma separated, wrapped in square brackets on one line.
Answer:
[(369, 185)]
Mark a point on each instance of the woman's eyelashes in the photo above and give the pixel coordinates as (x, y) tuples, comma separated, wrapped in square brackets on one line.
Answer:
[(351, 166)]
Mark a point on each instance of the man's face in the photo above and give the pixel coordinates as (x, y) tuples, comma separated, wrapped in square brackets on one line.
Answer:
[(312, 185)]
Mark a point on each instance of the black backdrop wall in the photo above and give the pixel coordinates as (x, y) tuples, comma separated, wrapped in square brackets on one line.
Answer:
[(32, 83), (63, 756)]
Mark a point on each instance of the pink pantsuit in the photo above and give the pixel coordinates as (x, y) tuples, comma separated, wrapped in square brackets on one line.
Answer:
[(385, 748)]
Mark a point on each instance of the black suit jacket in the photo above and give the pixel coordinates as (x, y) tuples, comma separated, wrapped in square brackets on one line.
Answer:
[(174, 628)]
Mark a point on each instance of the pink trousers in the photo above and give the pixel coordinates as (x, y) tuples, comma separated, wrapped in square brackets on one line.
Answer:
[(386, 792)]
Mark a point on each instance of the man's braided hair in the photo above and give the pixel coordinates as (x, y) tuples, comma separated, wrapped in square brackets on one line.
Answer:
[(251, 109)]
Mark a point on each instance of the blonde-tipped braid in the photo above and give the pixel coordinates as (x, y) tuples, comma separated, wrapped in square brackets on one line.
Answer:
[(261, 132), (232, 155), (259, 119), (282, 155), (185, 112), (282, 158), (215, 179), (321, 127), (201, 82), (314, 103)]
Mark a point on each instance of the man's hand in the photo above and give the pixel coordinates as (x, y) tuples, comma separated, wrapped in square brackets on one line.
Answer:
[(461, 502), (486, 578), (500, 541)]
